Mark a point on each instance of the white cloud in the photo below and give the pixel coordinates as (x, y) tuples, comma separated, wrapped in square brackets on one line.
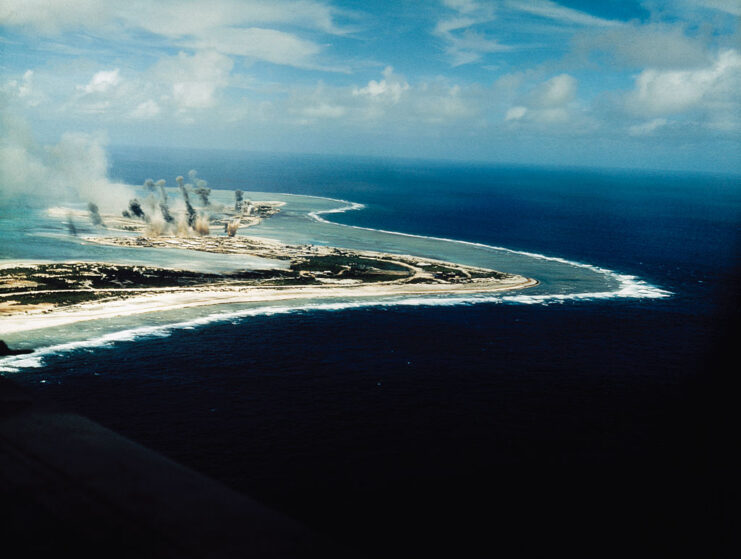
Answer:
[(467, 40), (548, 103), (238, 27), (194, 80), (553, 11), (102, 82), (263, 44), (554, 93), (24, 89), (180, 18), (515, 113), (146, 110), (171, 18), (389, 103), (390, 88), (668, 92), (50, 17), (465, 43)]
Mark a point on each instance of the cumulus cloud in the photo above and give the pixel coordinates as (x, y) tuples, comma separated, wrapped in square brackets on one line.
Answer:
[(556, 92), (23, 89), (390, 88), (515, 113), (102, 81), (664, 92), (547, 103), (551, 104)]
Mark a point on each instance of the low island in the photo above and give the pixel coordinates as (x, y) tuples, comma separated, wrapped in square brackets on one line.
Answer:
[(39, 295)]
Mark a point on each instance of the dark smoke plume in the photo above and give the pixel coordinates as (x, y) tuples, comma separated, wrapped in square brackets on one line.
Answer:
[(188, 206), (95, 214), (149, 184), (238, 197), (166, 213), (203, 191), (71, 226), (201, 186), (136, 209)]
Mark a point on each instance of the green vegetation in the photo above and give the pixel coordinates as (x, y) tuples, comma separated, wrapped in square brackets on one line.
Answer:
[(351, 266)]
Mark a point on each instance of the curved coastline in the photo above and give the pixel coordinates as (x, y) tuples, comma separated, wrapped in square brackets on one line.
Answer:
[(628, 287)]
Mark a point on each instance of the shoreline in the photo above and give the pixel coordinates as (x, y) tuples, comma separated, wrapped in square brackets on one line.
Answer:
[(182, 298)]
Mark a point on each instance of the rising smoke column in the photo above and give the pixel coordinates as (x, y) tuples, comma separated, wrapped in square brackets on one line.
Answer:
[(201, 186), (95, 214), (164, 208), (189, 208), (203, 191), (149, 185), (71, 226), (161, 185), (238, 197), (166, 213)]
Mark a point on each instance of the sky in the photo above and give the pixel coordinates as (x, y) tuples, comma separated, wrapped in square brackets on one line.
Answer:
[(613, 83)]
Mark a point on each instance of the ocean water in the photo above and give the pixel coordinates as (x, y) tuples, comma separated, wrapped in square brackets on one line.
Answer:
[(586, 413)]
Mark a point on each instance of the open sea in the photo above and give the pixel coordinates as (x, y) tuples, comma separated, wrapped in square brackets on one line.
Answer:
[(587, 415)]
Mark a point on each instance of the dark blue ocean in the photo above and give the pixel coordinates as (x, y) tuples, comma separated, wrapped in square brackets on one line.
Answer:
[(578, 426)]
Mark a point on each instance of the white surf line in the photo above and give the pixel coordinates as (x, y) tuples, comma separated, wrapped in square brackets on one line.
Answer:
[(14, 364), (630, 286)]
